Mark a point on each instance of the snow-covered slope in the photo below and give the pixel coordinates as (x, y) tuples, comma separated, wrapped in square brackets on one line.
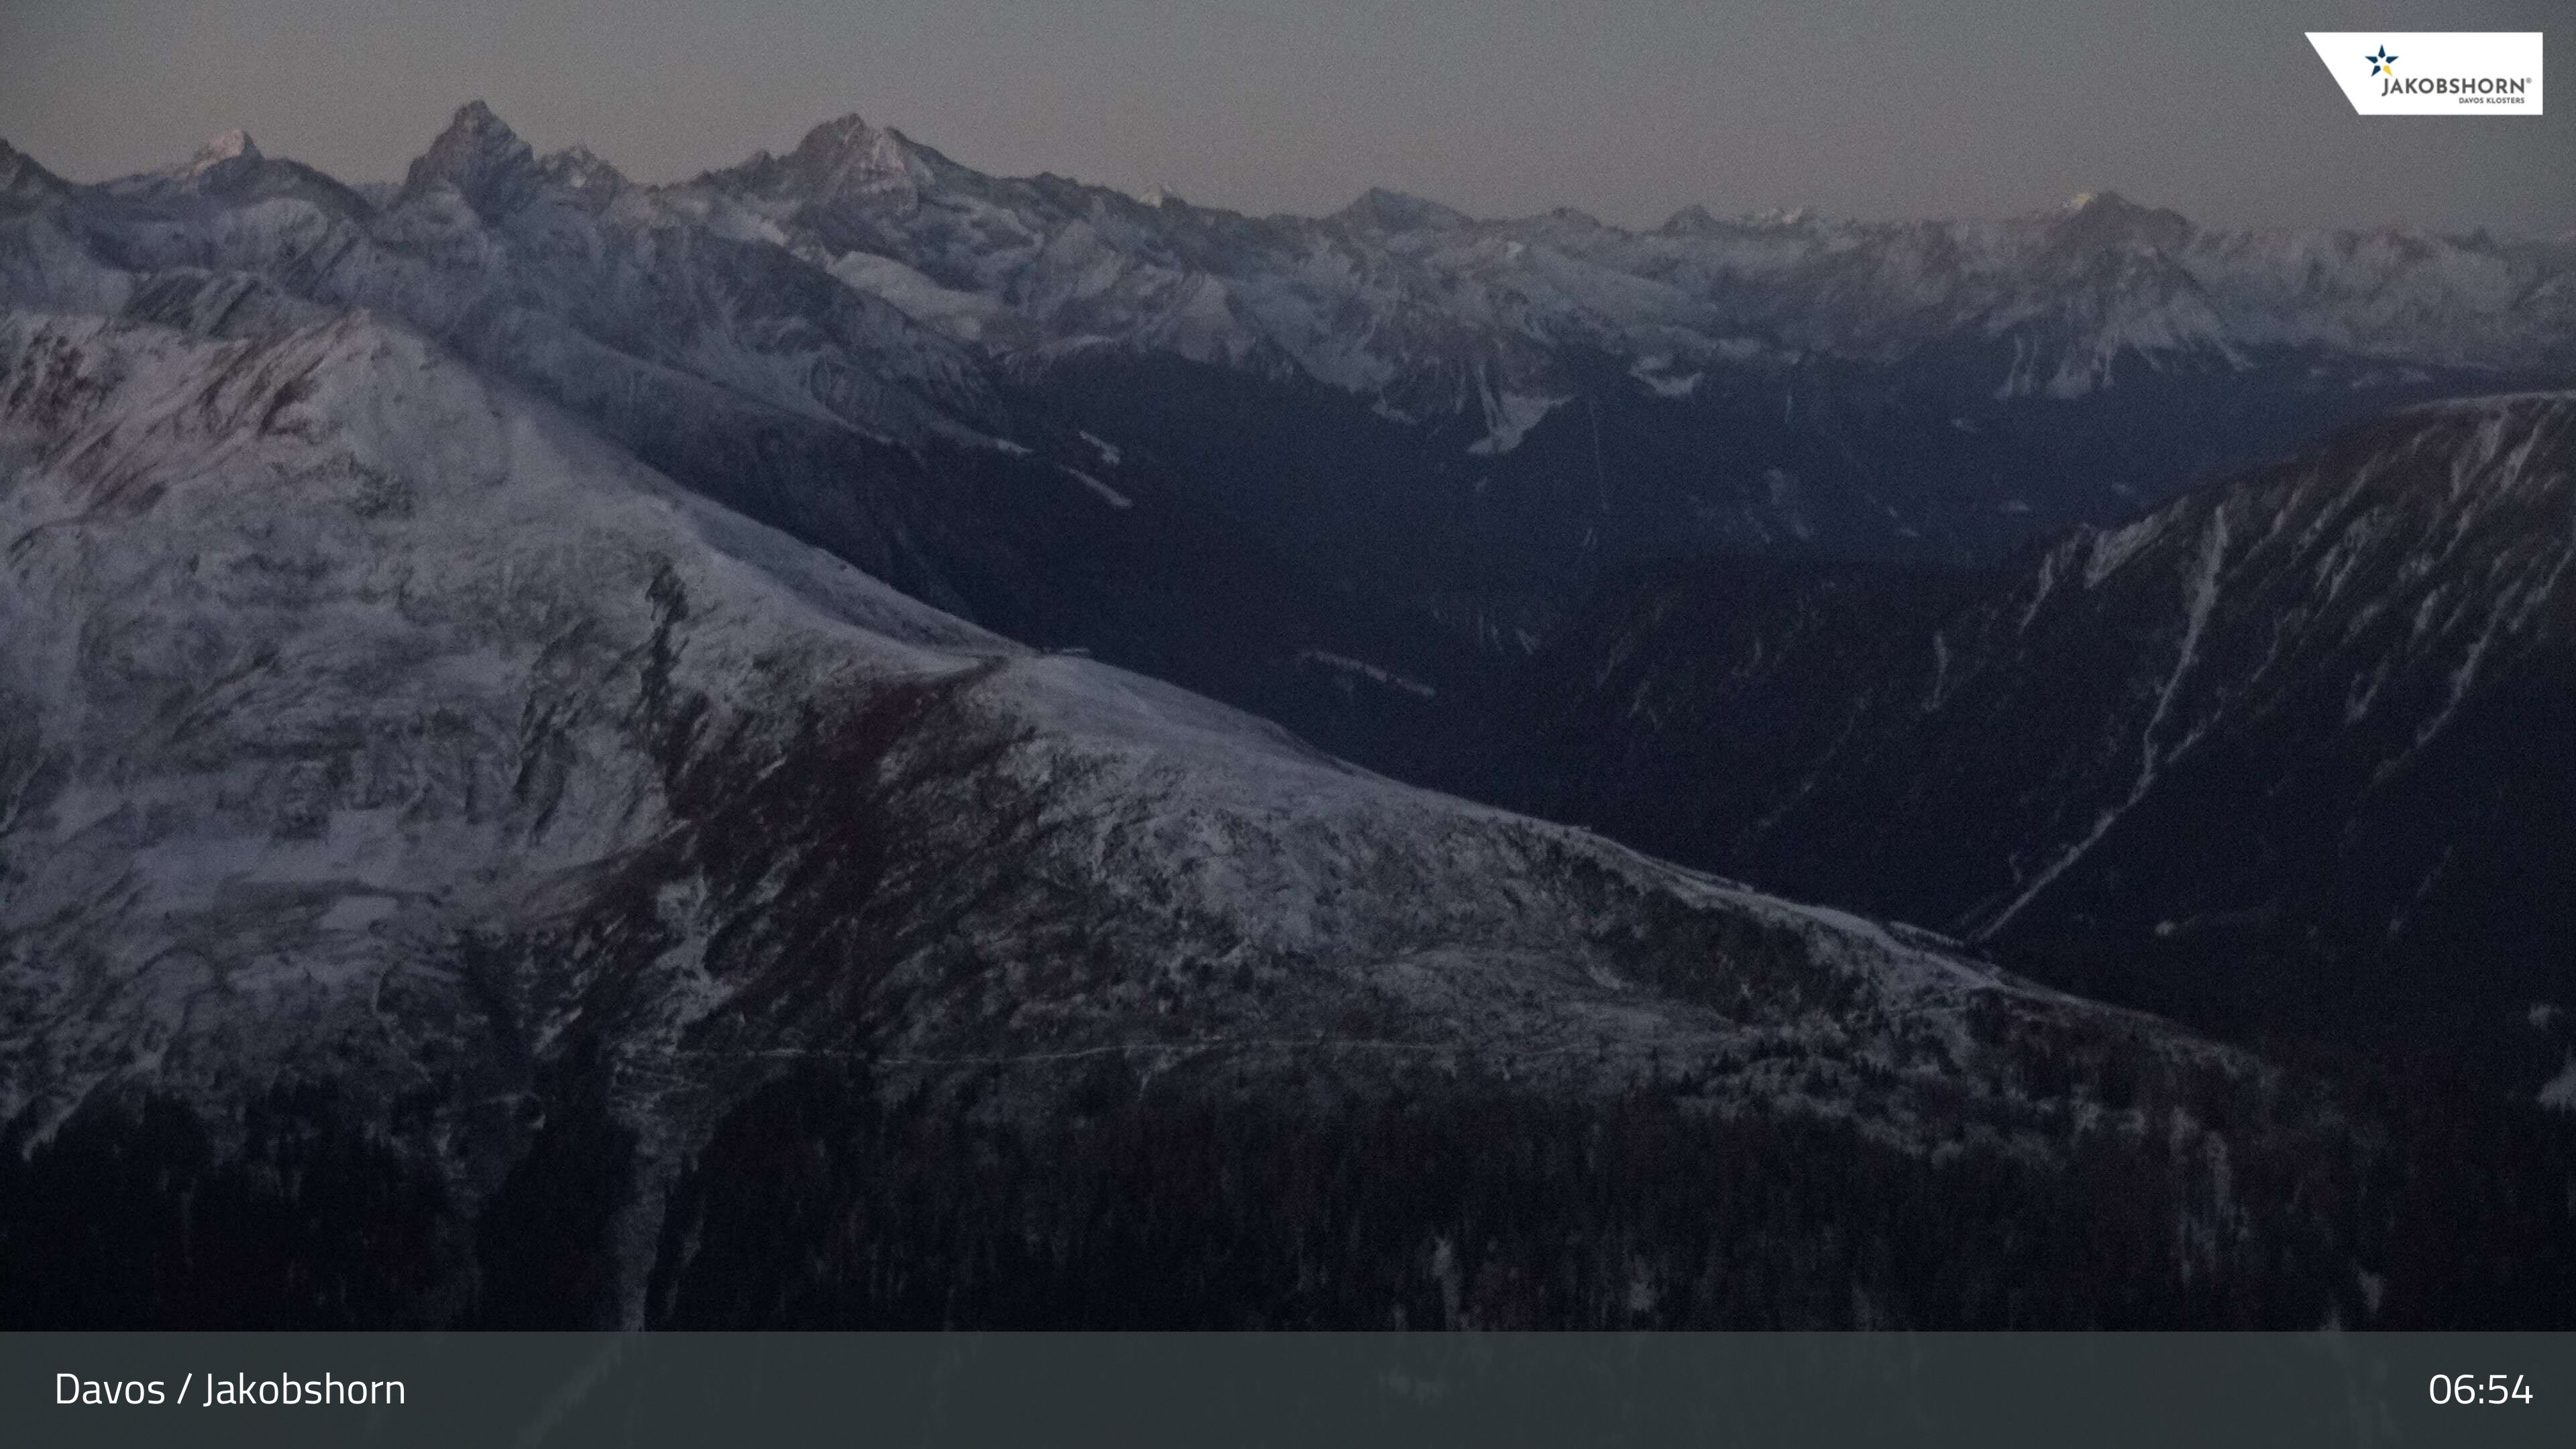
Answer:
[(319, 650), (371, 723)]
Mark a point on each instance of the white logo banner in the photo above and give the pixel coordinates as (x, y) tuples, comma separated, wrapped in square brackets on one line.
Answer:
[(2434, 72)]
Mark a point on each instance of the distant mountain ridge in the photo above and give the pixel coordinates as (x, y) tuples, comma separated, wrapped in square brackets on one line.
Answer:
[(1434, 314), (1439, 294)]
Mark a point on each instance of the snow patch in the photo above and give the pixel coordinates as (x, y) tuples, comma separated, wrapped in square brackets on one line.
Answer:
[(1651, 372), (2559, 1094), (1508, 418), (2110, 550), (230, 146), (1108, 495), (2200, 600), (1361, 667)]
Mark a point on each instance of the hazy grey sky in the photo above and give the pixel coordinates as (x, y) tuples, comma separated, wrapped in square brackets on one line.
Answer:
[(1626, 108)]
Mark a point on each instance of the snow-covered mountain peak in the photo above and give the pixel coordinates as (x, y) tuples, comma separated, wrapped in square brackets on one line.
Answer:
[(233, 145), (2106, 203), (482, 158), (836, 137), (475, 128), (1379, 209), (848, 156), (1691, 220), (2108, 219), (22, 178), (580, 169)]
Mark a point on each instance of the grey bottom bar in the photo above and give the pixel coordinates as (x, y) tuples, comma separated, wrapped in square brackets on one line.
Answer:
[(640, 1391)]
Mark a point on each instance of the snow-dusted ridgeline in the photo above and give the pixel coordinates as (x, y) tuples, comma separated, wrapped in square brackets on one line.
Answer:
[(375, 724)]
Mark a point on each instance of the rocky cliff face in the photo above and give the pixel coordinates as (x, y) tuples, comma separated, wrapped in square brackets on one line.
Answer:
[(2308, 715)]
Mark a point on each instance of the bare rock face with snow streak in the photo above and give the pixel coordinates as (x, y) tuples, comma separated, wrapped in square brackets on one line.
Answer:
[(2356, 601), (482, 159), (2302, 726)]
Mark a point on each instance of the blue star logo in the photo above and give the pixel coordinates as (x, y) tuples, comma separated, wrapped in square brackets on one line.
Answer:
[(2382, 63)]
